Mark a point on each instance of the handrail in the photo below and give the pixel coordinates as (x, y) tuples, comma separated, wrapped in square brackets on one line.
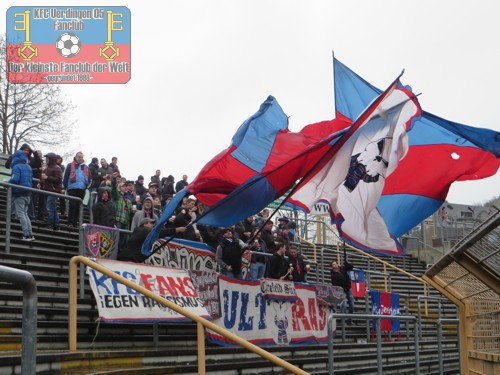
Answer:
[(310, 244), (378, 335), (28, 284), (199, 320), (380, 260), (33, 190)]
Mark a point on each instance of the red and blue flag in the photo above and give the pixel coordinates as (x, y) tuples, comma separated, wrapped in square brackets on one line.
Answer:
[(358, 283), (352, 178), (385, 303), (264, 160), (440, 152)]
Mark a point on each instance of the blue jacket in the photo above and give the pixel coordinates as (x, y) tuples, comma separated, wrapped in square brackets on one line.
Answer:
[(82, 177), (21, 173)]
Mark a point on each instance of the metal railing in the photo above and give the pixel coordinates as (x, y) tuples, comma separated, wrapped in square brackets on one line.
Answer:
[(378, 336), (27, 282), (8, 217), (201, 322)]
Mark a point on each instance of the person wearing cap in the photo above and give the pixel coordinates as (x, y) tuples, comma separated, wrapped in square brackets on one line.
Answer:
[(228, 255), (22, 175), (156, 178), (76, 180), (147, 212), (152, 191), (283, 223), (52, 181)]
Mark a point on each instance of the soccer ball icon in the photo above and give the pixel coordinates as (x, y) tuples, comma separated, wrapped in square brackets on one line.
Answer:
[(68, 45)]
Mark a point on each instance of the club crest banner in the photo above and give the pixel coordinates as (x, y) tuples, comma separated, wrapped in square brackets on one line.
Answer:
[(358, 284), (100, 242)]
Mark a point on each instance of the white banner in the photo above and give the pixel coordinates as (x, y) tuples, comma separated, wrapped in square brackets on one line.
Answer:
[(190, 255), (265, 322), (118, 303), (281, 290)]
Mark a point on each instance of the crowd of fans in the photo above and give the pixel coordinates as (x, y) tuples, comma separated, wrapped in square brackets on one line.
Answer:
[(118, 202)]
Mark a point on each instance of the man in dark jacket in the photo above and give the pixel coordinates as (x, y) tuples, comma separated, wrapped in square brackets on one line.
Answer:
[(245, 229), (340, 277), (181, 184), (95, 176), (52, 181), (300, 268), (228, 255), (278, 266), (22, 175), (131, 251)]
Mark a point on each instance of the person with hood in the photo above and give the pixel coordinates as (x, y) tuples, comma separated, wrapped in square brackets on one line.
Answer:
[(76, 181), (168, 188), (22, 175), (146, 212), (52, 181), (103, 210)]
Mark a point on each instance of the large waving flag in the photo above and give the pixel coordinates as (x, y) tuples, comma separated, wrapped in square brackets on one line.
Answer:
[(440, 152), (263, 161), (352, 179)]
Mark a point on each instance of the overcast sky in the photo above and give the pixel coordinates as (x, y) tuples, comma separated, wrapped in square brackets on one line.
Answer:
[(200, 68)]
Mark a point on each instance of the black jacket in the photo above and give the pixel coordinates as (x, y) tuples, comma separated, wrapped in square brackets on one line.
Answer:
[(277, 266)]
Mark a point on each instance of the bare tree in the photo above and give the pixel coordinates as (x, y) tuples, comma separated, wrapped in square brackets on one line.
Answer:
[(37, 114)]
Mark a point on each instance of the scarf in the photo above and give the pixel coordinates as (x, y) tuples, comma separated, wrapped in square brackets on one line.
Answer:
[(72, 175)]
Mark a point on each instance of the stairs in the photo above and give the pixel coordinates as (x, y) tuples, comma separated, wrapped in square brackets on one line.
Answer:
[(131, 348)]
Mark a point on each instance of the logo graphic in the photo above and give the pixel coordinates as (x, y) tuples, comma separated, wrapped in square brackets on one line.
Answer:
[(106, 245), (68, 44), (93, 243)]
